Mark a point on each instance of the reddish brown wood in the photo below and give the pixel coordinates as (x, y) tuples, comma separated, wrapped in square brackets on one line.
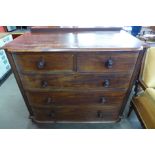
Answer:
[(124, 62), (76, 76), (81, 41), (73, 97), (76, 114), (15, 35), (85, 81), (40, 63)]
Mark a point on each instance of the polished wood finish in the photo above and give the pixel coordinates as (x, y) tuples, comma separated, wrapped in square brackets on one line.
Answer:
[(79, 42), (76, 114), (106, 62), (80, 75), (78, 80), (46, 62), (73, 97)]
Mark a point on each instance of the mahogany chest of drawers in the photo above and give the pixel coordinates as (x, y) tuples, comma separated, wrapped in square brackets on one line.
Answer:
[(75, 76)]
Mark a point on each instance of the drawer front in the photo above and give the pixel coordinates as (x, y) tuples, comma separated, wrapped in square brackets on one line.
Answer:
[(60, 98), (88, 81), (106, 62), (46, 62), (77, 114)]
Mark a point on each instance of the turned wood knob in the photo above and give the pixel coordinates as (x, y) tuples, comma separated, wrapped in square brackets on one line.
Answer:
[(51, 114), (109, 63), (49, 100), (41, 63), (44, 84), (106, 83), (99, 114), (102, 100)]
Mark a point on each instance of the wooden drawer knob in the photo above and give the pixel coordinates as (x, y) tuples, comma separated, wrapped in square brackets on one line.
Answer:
[(99, 114), (106, 83), (109, 63), (51, 114), (41, 63), (44, 84), (102, 100), (49, 100)]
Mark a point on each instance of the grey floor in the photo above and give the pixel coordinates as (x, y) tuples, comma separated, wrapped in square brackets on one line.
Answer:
[(14, 114)]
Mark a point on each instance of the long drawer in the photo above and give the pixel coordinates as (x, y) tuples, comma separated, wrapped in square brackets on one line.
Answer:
[(96, 113), (85, 81), (80, 98), (41, 63), (106, 62)]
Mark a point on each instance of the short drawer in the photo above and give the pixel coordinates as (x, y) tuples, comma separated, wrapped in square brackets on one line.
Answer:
[(106, 62), (44, 62), (96, 113), (85, 81), (60, 98)]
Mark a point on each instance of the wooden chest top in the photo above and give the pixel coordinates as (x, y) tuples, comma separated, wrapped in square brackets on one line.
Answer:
[(85, 41)]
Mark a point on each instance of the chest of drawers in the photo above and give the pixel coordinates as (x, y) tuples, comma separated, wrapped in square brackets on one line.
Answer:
[(82, 76)]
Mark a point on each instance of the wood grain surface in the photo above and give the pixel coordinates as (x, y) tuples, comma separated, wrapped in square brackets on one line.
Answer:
[(75, 41), (75, 74)]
